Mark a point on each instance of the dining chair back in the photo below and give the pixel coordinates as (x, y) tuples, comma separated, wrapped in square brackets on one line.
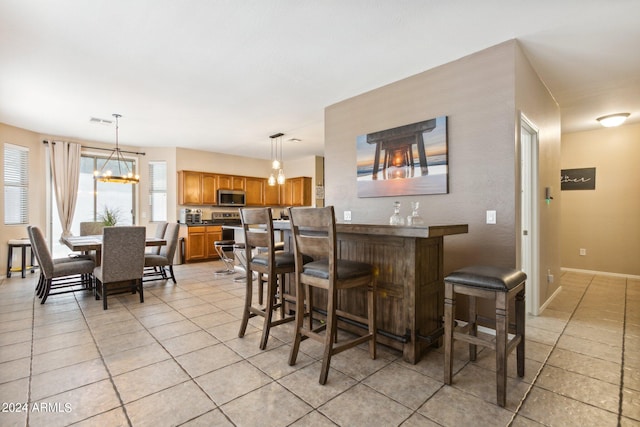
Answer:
[(58, 276), (257, 225), (161, 229), (155, 263), (91, 228), (122, 261), (314, 235)]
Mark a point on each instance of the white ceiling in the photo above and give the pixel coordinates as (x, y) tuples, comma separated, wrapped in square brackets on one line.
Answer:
[(224, 75)]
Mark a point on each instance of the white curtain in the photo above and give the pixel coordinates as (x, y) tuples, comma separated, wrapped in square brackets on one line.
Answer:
[(65, 170)]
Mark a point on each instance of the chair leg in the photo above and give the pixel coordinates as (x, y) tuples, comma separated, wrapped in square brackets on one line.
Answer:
[(449, 316), (268, 311), (502, 315), (299, 323), (104, 296), (173, 277), (47, 289), (372, 320), (330, 336), (520, 331), (246, 313), (473, 327), (140, 285)]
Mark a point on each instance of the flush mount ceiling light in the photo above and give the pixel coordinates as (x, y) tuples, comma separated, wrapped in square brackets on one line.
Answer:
[(612, 120), (116, 160), (277, 172)]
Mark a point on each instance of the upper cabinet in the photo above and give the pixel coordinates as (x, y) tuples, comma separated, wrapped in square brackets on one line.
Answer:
[(190, 188), (200, 188)]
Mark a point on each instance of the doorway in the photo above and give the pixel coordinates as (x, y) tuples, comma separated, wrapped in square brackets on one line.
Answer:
[(529, 230)]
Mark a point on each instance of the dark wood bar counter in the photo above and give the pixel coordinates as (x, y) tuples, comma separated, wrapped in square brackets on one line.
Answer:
[(409, 262)]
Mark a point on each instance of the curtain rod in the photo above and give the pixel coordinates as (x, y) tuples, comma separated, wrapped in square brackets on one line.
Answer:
[(100, 148)]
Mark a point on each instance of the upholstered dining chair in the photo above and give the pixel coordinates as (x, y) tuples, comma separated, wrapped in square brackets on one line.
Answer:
[(314, 235), (91, 228), (60, 275), (155, 264), (122, 263), (161, 229), (257, 226)]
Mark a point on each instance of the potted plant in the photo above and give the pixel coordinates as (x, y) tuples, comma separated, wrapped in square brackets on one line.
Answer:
[(109, 216)]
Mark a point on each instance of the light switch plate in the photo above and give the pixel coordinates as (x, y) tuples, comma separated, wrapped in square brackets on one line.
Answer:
[(491, 217), (347, 215)]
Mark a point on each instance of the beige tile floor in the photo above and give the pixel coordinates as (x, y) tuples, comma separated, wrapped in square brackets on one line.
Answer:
[(177, 360)]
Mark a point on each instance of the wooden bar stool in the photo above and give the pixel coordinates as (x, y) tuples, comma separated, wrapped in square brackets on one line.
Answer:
[(500, 285), (23, 244)]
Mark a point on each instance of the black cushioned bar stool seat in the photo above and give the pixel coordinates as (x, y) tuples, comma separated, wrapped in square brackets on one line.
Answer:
[(500, 285)]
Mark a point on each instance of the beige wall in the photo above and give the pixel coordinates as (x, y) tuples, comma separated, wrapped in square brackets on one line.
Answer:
[(478, 94), (604, 221)]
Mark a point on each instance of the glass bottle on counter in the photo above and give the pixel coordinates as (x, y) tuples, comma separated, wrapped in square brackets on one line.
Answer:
[(396, 219), (415, 218)]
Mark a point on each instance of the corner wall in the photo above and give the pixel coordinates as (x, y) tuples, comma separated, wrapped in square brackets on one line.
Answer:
[(478, 94), (604, 221)]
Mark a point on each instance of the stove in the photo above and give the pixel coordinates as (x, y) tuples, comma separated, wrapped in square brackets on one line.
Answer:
[(226, 218)]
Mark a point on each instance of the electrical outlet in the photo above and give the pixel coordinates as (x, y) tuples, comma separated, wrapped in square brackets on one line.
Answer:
[(583, 252), (347, 215), (491, 217)]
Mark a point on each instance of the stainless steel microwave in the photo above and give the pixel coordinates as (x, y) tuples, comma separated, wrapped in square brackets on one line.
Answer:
[(231, 198)]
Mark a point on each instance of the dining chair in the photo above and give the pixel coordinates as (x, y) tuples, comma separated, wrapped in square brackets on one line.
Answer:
[(60, 275), (257, 226), (122, 265), (161, 229), (314, 235), (91, 228), (155, 264)]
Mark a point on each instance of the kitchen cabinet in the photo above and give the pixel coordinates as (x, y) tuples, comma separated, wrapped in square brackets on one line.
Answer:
[(189, 188), (199, 242), (209, 189), (231, 182), (296, 192), (254, 188), (271, 194)]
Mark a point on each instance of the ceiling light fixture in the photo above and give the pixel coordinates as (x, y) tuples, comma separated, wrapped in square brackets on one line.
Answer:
[(105, 174), (277, 172), (613, 120)]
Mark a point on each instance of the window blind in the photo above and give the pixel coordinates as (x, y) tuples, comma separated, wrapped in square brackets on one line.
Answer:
[(16, 184), (158, 190)]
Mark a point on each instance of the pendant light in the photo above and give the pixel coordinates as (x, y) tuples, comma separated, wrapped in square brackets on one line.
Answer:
[(277, 172), (105, 174)]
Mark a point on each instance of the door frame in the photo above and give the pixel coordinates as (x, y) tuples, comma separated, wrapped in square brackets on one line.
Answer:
[(528, 137)]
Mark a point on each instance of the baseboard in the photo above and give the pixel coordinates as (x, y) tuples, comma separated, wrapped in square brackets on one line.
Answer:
[(602, 273)]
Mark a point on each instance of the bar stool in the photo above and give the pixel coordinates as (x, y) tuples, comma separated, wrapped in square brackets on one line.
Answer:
[(258, 233), (500, 285), (314, 235), (222, 247), (23, 244)]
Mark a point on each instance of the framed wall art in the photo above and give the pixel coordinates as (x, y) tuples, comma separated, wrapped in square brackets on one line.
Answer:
[(406, 160)]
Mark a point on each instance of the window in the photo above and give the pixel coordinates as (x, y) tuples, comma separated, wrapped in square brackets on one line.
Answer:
[(158, 190), (16, 184)]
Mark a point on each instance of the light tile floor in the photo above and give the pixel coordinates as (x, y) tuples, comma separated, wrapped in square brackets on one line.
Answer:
[(177, 360)]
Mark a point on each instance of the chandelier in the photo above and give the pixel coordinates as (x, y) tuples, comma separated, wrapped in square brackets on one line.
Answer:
[(277, 173), (124, 175)]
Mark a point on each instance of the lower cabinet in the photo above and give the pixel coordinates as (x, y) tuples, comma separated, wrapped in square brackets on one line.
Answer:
[(199, 242)]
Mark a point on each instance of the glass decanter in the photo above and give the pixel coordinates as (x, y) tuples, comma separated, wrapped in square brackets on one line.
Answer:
[(415, 218), (396, 219)]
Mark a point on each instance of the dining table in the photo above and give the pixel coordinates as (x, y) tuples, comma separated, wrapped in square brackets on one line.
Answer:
[(94, 243)]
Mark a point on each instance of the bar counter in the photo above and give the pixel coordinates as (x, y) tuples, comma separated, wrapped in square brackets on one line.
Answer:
[(410, 280)]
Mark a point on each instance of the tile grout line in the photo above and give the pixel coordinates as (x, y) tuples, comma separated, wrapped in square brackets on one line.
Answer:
[(553, 347), (624, 337)]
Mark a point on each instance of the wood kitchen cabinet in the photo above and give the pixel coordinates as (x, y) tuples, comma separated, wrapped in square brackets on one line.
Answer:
[(199, 242), (271, 194), (296, 192), (231, 182), (209, 189), (190, 188), (254, 188)]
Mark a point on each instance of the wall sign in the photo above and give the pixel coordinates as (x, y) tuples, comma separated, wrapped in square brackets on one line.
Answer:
[(578, 179)]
